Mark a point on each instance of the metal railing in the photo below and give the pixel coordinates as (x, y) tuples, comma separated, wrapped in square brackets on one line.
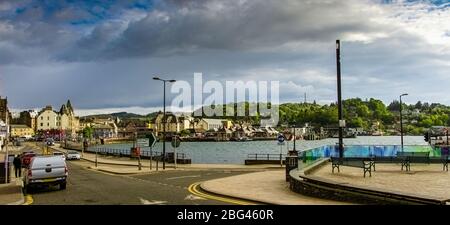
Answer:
[(262, 156), (146, 154)]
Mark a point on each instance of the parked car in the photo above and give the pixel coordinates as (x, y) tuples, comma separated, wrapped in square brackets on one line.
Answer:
[(73, 155), (46, 171), (61, 154), (18, 143), (50, 141), (26, 158)]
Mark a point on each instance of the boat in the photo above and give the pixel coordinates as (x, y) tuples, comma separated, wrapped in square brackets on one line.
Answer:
[(242, 139), (377, 133)]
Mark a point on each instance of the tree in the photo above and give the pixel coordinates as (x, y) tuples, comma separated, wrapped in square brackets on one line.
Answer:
[(185, 133), (379, 109), (394, 106), (426, 122), (357, 122), (88, 132), (418, 105), (426, 106)]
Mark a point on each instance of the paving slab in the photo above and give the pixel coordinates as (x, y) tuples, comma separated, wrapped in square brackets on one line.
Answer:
[(268, 187), (422, 180)]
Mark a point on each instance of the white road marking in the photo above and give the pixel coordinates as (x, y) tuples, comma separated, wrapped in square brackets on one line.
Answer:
[(147, 202), (193, 197), (173, 178)]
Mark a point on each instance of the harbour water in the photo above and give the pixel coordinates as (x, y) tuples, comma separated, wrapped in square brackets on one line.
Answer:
[(236, 152)]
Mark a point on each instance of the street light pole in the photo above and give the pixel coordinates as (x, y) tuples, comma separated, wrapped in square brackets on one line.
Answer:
[(401, 119), (164, 127), (164, 118), (339, 90)]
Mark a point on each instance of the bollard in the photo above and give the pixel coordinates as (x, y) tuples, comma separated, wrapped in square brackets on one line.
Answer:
[(139, 163), (281, 160), (291, 163), (151, 158)]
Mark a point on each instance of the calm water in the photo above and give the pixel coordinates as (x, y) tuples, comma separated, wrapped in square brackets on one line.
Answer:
[(236, 152)]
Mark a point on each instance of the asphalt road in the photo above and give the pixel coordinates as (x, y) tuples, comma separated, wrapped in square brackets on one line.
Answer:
[(91, 187)]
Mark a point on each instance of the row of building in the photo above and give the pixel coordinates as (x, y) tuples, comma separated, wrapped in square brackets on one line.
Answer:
[(64, 123), (184, 125), (208, 129), (47, 121)]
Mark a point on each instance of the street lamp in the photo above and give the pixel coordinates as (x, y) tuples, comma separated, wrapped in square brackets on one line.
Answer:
[(164, 118), (339, 95), (401, 120)]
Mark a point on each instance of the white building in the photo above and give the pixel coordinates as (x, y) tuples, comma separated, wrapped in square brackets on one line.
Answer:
[(64, 120), (48, 119), (210, 124), (174, 123), (107, 130), (4, 131)]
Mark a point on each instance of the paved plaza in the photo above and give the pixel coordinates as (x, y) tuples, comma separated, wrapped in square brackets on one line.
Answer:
[(423, 179)]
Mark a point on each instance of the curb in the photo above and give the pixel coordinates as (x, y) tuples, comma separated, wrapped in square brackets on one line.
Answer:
[(19, 187), (234, 197), (193, 168), (20, 202), (107, 163), (118, 173), (29, 200)]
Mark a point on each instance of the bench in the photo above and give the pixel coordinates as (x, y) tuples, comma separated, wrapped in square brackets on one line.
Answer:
[(365, 163), (406, 158)]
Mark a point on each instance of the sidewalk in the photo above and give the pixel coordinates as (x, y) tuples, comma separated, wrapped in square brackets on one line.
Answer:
[(424, 180), (268, 186), (11, 194), (127, 170)]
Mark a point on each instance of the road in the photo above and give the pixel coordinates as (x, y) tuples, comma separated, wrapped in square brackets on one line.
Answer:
[(87, 186)]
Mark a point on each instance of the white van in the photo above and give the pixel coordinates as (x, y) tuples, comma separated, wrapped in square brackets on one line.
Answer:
[(61, 154), (46, 171)]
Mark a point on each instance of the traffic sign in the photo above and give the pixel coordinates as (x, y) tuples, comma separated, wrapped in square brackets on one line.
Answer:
[(143, 142), (152, 139), (281, 138), (176, 142)]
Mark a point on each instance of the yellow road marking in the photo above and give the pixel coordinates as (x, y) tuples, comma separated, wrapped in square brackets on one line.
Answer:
[(193, 188), (28, 200)]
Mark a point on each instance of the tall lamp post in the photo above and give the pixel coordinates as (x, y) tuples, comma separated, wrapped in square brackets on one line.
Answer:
[(339, 93), (164, 118), (401, 118)]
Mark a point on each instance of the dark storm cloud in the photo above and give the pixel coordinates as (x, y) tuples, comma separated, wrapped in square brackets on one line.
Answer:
[(228, 25), (103, 55)]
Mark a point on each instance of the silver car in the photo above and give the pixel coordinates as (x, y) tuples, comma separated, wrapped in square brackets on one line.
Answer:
[(73, 155), (46, 171)]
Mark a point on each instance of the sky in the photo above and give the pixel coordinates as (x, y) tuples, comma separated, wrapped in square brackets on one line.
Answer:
[(103, 54)]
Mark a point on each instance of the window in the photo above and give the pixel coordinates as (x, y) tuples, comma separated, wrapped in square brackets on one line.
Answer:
[(42, 124), (48, 117), (42, 118), (48, 124)]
